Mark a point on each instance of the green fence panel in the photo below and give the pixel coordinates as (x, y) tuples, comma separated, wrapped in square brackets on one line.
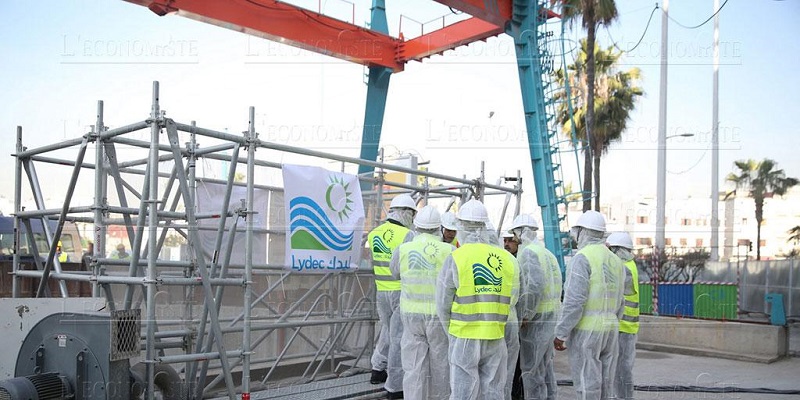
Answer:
[(716, 301), (645, 298)]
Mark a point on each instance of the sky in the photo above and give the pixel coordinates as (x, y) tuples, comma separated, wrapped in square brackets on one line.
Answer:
[(453, 110)]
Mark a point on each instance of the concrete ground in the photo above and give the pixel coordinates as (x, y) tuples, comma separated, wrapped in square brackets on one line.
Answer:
[(674, 370)]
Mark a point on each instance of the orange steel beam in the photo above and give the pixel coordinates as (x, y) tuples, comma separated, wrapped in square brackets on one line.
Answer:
[(454, 35), (497, 12), (295, 26)]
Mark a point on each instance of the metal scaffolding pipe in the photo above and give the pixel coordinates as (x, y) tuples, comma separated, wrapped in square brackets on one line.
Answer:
[(200, 357), (152, 230), (50, 147), (17, 209), (52, 212), (106, 134), (172, 134)]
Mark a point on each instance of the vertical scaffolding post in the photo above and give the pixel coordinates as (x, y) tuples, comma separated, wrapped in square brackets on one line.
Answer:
[(99, 198), (152, 234), (252, 138), (17, 208), (189, 271)]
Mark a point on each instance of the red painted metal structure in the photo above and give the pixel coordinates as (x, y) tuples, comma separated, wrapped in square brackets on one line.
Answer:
[(309, 30)]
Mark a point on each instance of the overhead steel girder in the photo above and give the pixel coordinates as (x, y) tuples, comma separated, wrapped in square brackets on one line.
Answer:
[(302, 28), (292, 25)]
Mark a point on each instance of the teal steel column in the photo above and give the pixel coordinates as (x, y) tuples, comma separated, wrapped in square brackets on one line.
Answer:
[(377, 91), (524, 29)]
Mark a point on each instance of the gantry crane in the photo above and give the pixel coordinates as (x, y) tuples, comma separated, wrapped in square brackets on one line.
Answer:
[(383, 55)]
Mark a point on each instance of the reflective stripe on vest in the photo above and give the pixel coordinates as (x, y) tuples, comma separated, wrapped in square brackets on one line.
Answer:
[(630, 317), (551, 287), (486, 275), (599, 312), (382, 241), (420, 263)]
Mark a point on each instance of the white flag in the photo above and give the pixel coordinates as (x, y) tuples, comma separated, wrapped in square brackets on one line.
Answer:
[(325, 219)]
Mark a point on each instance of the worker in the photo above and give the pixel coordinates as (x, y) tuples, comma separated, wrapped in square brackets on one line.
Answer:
[(120, 253), (386, 363), (476, 290), (424, 344), (511, 245), (592, 306), (61, 255), (449, 228), (620, 243), (540, 294)]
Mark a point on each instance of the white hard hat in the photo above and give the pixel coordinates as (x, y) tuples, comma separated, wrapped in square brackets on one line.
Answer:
[(403, 201), (474, 211), (428, 218), (524, 220), (449, 221), (507, 235), (592, 220), (621, 239)]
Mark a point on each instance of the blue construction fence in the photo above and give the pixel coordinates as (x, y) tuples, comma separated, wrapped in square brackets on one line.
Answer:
[(698, 300)]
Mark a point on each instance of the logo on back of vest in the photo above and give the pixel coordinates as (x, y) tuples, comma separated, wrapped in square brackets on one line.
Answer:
[(378, 246), (484, 275), (417, 260)]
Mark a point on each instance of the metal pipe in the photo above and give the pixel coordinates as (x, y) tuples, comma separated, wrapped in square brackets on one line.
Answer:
[(252, 137), (110, 133), (50, 147), (99, 200), (201, 346), (199, 357), (17, 209), (52, 258), (52, 211), (320, 154), (152, 230), (194, 239)]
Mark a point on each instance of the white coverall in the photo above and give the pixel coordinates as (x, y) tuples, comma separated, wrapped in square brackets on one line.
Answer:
[(592, 353)]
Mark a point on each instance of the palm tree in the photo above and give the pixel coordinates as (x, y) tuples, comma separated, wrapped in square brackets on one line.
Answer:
[(794, 235), (762, 180), (615, 96), (593, 13)]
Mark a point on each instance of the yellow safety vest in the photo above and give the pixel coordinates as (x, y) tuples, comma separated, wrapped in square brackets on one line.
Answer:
[(486, 275), (630, 319), (382, 241), (599, 312), (420, 263), (63, 257), (551, 290)]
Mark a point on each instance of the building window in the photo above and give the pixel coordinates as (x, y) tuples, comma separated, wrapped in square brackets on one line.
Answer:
[(642, 219), (763, 243), (644, 241), (667, 241), (698, 243), (686, 221), (743, 242), (684, 242), (627, 220)]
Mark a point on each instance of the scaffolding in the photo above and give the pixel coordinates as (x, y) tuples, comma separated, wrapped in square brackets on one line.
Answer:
[(230, 319)]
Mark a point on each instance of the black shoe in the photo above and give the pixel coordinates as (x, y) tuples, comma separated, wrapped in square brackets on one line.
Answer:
[(395, 395), (377, 377)]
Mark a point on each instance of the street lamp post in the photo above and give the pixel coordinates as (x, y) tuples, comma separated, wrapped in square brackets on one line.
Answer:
[(661, 196)]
